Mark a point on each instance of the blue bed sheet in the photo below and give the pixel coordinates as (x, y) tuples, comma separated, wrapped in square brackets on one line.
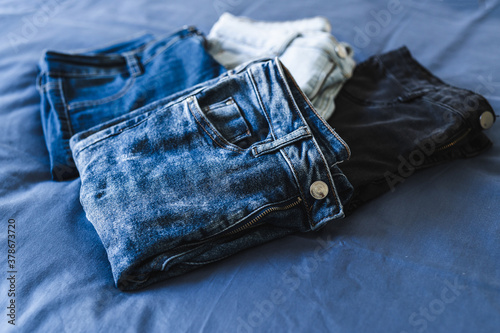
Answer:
[(424, 258)]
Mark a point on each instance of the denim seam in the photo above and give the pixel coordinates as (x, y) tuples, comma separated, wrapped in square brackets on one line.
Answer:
[(281, 150), (368, 103), (325, 101), (119, 94), (429, 77), (218, 38), (77, 151), (175, 256), (259, 98), (169, 259), (308, 209), (289, 40), (340, 213), (332, 183), (65, 106), (132, 63), (125, 69), (302, 193), (242, 136), (178, 36), (320, 84), (290, 95), (164, 48), (49, 86), (312, 109), (84, 75), (391, 76), (299, 134), (223, 141), (143, 116), (133, 52), (216, 106), (224, 146), (245, 218), (209, 238), (446, 106), (414, 65), (325, 163)]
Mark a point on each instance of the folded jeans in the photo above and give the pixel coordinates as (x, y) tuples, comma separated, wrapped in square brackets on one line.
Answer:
[(237, 162), (397, 117), (318, 62), (82, 90)]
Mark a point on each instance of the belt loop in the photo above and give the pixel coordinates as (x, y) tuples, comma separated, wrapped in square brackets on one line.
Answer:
[(133, 64)]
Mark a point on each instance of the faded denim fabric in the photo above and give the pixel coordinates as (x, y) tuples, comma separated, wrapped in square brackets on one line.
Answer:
[(236, 162), (318, 62), (398, 118), (81, 90)]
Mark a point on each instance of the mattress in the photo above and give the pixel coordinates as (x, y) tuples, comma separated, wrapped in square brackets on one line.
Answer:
[(423, 258)]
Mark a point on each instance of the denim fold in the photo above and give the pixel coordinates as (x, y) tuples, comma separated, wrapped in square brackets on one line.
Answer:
[(318, 62), (236, 162), (84, 89)]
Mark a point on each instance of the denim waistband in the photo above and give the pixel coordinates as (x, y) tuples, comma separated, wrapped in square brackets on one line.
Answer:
[(259, 75), (126, 57), (418, 81), (405, 69), (398, 118)]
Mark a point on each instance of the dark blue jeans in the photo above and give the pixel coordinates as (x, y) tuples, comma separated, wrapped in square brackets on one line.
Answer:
[(398, 118), (234, 162), (83, 90)]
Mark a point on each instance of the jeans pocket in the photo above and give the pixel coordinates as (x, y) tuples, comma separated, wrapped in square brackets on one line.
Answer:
[(222, 121)]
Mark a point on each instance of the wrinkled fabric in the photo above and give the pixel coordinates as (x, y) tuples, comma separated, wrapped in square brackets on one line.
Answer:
[(318, 62), (398, 117), (232, 165), (422, 258), (81, 90)]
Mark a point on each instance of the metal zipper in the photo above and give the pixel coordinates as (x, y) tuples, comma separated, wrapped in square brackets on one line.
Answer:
[(234, 231), (260, 216), (454, 142)]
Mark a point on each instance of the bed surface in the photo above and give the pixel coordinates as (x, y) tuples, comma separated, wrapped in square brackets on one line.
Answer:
[(424, 258)]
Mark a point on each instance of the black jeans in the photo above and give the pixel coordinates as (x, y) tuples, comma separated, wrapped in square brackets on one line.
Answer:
[(398, 118)]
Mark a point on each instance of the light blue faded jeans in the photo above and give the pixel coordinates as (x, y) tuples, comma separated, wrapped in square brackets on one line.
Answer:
[(318, 62)]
